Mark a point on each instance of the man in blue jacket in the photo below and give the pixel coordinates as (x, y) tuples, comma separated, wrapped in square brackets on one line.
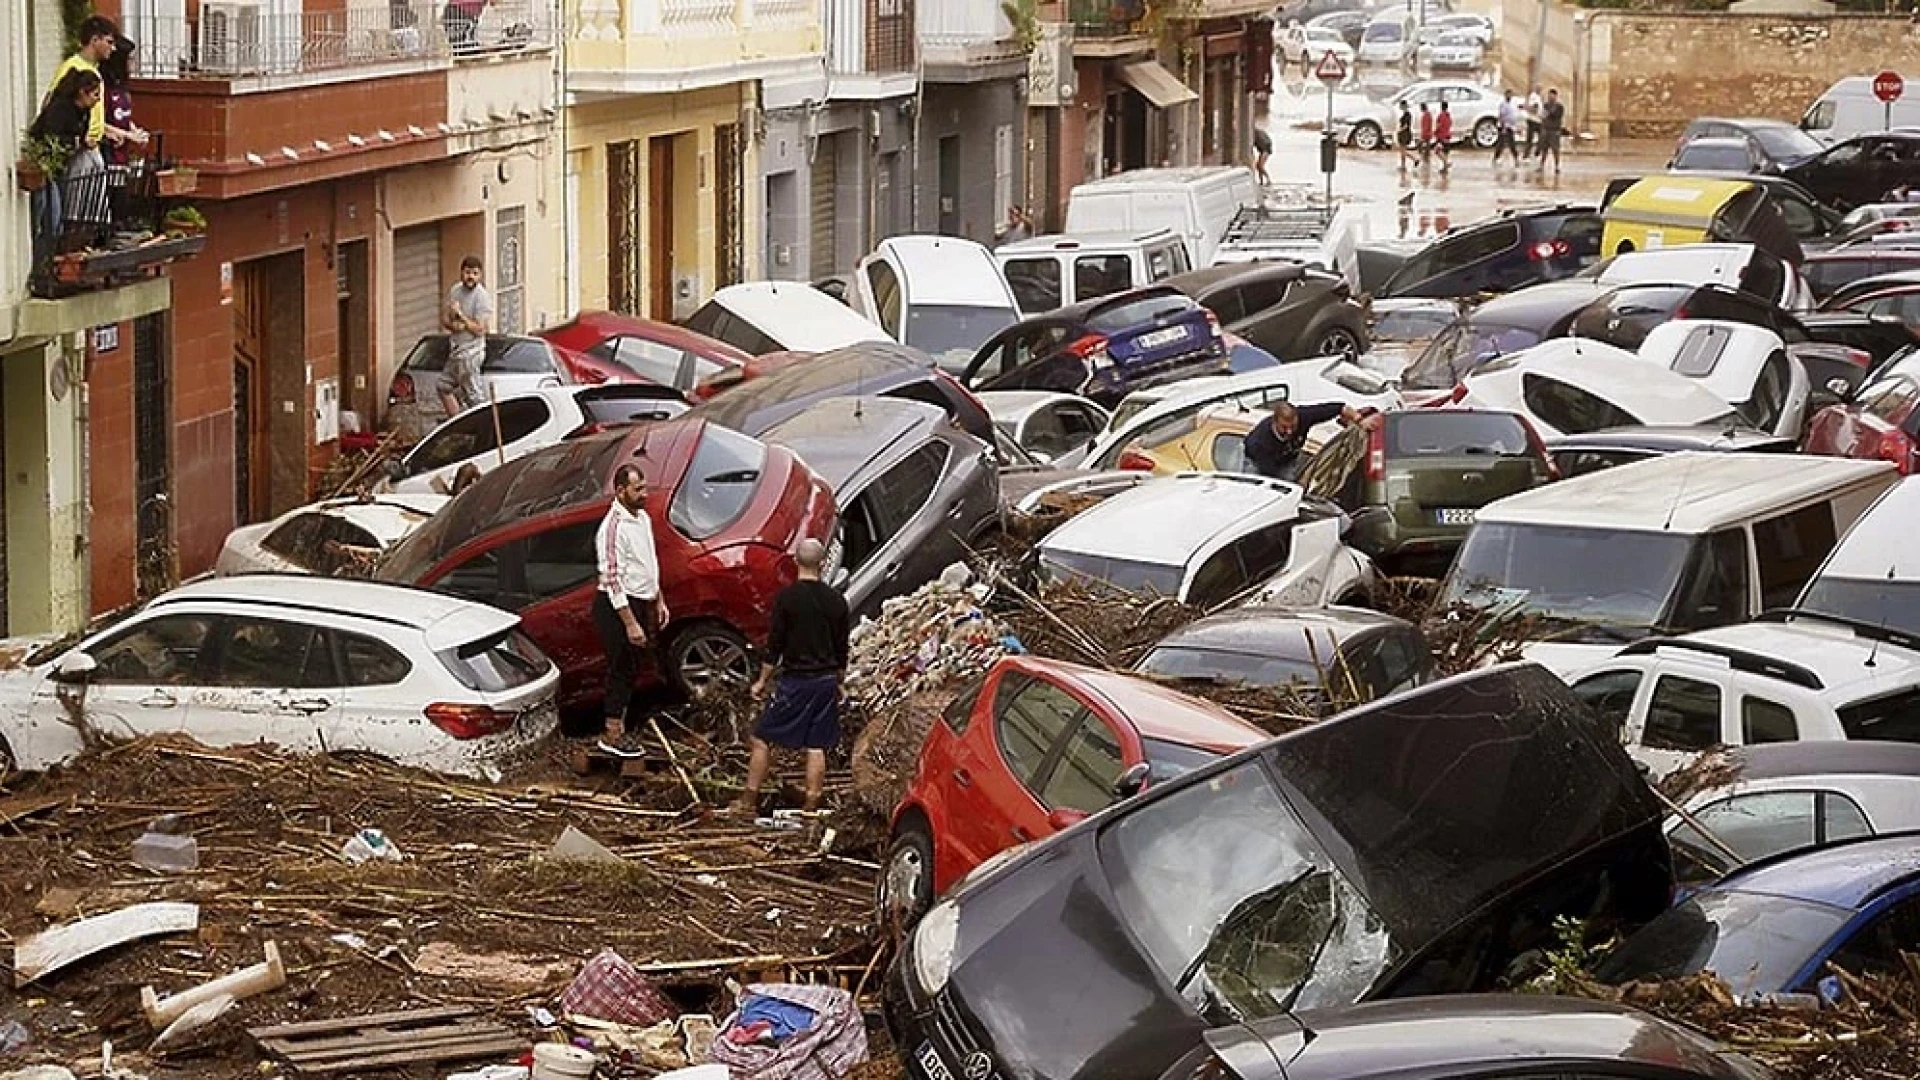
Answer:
[(1273, 446)]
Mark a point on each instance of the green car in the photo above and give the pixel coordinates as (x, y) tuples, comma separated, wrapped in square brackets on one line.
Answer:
[(1413, 484)]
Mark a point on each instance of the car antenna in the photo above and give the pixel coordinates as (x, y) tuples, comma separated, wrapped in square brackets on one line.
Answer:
[(1674, 506), (1873, 653)]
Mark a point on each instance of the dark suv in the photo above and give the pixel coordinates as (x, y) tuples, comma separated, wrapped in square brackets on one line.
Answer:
[(881, 369), (1286, 309), (1104, 349), (1515, 249)]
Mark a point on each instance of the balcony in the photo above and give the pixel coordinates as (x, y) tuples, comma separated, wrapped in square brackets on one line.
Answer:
[(956, 35), (1108, 27), (869, 38), (113, 227), (667, 46)]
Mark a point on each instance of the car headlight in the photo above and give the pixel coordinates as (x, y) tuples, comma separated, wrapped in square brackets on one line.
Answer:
[(933, 942)]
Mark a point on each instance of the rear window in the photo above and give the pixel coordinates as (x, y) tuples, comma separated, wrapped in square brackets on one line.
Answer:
[(1568, 408), (719, 483), (1460, 349), (1413, 324), (1714, 156), (505, 661), (1438, 432), (1893, 718), (1144, 309), (1892, 603), (1217, 665), (521, 356)]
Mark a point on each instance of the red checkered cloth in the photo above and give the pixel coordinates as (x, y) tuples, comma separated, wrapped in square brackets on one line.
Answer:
[(827, 1051), (608, 988)]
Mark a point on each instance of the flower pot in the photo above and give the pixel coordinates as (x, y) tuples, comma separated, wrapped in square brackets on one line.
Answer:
[(69, 269), (28, 175), (177, 181)]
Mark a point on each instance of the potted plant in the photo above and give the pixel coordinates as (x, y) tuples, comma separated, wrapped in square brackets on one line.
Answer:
[(177, 180), (184, 221), (40, 160)]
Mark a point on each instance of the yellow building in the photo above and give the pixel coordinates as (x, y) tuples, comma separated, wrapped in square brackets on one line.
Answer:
[(663, 136)]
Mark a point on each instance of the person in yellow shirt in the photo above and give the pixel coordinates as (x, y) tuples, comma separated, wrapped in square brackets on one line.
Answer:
[(97, 35)]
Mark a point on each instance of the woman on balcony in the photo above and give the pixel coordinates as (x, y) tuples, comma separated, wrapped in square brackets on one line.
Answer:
[(122, 133), (78, 196)]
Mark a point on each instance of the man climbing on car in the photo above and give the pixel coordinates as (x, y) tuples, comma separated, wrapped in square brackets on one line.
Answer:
[(1273, 446)]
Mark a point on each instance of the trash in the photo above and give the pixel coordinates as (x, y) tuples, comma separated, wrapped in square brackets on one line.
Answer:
[(267, 975), (558, 1061), (794, 1032), (193, 1019), (14, 1036), (369, 844), (507, 972), (577, 846), (40, 1072), (494, 1072), (610, 988), (166, 853), (697, 1072), (351, 941), (51, 950), (541, 1018)]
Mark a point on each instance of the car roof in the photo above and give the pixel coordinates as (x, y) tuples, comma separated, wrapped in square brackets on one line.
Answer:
[(1691, 264), (387, 517), (1538, 305), (1085, 308), (807, 319), (1876, 546), (1606, 371), (614, 324), (1166, 519), (1668, 438), (1729, 141), (947, 270), (1168, 176), (840, 436), (868, 368), (1040, 245), (1845, 661), (447, 621), (1687, 492), (1747, 347), (1846, 874), (1278, 632), (1156, 711), (1835, 757), (1209, 276)]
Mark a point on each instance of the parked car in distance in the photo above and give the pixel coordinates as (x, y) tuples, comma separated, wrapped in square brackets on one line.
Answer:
[(606, 346), (943, 295), (1413, 484), (1209, 538), (759, 317), (1791, 796), (1104, 348), (1475, 109), (1771, 145), (1047, 273), (512, 365), (1348, 24), (1860, 170), (1333, 656), (489, 435), (1578, 455), (879, 369), (1195, 201), (1321, 40), (1290, 311), (1745, 366), (325, 538), (1384, 42), (1458, 50), (727, 512), (1471, 23), (1870, 577), (1566, 386), (1047, 424), (915, 493), (311, 665), (1830, 272), (1032, 747), (1511, 251), (1715, 154), (1774, 927)]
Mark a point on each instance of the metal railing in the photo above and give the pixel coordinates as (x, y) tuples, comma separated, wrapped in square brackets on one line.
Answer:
[(243, 38), (91, 207), (958, 22), (1106, 18)]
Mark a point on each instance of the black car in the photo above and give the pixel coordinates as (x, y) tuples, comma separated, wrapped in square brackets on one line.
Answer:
[(1417, 845), (1502, 325), (1625, 316), (1830, 271), (1861, 170), (1288, 310), (1515, 249), (1104, 349), (880, 368), (1577, 455), (1364, 654), (1846, 294), (1815, 225), (1770, 145)]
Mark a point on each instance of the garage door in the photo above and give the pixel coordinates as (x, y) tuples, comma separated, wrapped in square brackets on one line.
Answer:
[(416, 286), (824, 261)]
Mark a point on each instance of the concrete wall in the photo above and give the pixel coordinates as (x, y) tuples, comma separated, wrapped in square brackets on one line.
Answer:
[(795, 140), (970, 112)]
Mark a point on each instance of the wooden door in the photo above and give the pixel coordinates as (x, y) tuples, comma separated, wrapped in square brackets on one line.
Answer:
[(660, 219)]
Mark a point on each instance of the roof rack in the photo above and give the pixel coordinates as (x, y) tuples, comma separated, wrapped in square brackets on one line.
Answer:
[(1742, 660), (1876, 631), (1255, 225)]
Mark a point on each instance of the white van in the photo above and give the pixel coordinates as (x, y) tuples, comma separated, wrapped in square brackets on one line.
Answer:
[(1848, 108), (1047, 273), (1197, 202), (940, 294), (761, 317), (1873, 577), (1688, 541)]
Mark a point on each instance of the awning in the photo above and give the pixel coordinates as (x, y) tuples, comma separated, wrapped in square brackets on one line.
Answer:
[(1156, 84)]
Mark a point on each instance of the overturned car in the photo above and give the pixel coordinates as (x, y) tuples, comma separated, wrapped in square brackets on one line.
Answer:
[(1418, 845)]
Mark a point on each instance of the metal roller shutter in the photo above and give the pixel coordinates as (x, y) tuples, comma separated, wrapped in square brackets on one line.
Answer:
[(416, 287), (824, 259)]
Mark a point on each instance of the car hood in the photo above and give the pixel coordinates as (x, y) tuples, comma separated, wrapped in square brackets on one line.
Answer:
[(1022, 487)]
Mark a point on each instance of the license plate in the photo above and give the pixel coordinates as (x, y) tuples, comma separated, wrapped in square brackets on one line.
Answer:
[(1453, 517), (1161, 337), (930, 1063)]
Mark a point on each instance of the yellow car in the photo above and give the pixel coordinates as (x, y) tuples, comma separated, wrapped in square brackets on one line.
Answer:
[(1208, 442)]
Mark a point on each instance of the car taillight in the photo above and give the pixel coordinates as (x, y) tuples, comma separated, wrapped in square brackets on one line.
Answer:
[(402, 389), (1459, 394), (1377, 454), (470, 721), (1092, 348), (1897, 448), (1539, 446), (1859, 358), (1135, 461), (1213, 321), (1549, 249)]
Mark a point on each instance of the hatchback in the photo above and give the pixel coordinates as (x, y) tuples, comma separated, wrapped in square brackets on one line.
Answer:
[(1029, 749), (307, 664), (1104, 348), (1861, 170), (1769, 145), (727, 511), (330, 537), (1289, 311), (880, 369), (1326, 654), (512, 365), (1516, 249), (606, 346)]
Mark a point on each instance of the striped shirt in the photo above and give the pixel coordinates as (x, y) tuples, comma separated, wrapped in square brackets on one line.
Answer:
[(624, 548)]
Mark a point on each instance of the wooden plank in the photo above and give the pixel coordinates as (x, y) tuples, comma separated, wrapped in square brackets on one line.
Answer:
[(350, 1044), (357, 1023), (404, 1057), (51, 950)]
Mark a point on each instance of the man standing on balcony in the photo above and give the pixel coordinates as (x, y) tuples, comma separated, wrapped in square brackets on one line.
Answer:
[(469, 310), (97, 36)]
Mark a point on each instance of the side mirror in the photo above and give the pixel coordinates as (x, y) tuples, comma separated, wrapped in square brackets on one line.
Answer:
[(1065, 818), (1132, 781), (75, 667)]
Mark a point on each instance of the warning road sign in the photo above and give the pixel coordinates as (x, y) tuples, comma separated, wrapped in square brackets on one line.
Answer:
[(1330, 70)]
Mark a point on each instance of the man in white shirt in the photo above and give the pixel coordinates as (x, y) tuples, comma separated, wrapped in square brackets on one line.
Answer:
[(628, 611)]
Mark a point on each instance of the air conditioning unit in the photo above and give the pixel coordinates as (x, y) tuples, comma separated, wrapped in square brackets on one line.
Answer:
[(232, 37)]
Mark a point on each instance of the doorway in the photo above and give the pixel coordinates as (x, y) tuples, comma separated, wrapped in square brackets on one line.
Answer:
[(950, 185), (270, 407), (623, 227), (660, 219), (355, 331), (249, 390), (1124, 145)]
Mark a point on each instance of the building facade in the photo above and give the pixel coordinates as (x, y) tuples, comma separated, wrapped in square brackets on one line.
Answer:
[(972, 120)]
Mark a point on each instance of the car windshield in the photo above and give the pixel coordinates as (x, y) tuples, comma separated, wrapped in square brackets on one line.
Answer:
[(1126, 574), (1755, 941), (951, 332), (1891, 603), (1551, 572), (1237, 905), (720, 481), (1459, 349), (1226, 665), (1784, 141), (1444, 432), (1413, 324)]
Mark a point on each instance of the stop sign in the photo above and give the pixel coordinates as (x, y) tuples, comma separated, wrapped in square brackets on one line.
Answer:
[(1888, 85)]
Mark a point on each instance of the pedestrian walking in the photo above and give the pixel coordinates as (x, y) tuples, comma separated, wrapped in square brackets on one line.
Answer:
[(1509, 125), (1553, 123), (1262, 150), (807, 647), (1426, 134), (628, 611), (1403, 136), (1273, 447), (1532, 112), (469, 310), (1443, 136)]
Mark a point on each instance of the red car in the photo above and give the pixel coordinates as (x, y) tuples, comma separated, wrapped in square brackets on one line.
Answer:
[(728, 512), (1034, 747), (765, 364), (1881, 423), (605, 346)]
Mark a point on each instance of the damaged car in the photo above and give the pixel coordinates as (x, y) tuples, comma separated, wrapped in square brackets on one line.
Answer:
[(1270, 881)]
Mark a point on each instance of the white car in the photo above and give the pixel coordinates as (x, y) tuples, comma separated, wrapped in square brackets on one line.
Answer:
[(1475, 109), (1872, 576), (1454, 51), (323, 538), (1746, 366), (1385, 40), (1047, 424), (490, 435), (1746, 267), (1571, 386), (1467, 24), (761, 317), (513, 365), (303, 663), (1801, 678), (1321, 40), (943, 295), (1209, 540)]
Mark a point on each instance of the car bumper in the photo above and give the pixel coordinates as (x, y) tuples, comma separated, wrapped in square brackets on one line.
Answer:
[(934, 1039)]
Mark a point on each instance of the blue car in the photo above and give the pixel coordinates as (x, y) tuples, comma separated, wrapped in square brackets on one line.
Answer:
[(1773, 926), (1104, 349)]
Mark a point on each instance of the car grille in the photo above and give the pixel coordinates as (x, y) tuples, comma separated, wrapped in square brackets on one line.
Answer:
[(950, 1028)]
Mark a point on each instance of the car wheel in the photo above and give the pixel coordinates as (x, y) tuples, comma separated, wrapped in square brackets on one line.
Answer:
[(1331, 335), (1366, 136), (904, 891), (708, 655), (1486, 133)]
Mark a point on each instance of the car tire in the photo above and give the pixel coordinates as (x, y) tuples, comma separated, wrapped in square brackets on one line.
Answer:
[(707, 654), (1366, 136), (904, 890), (1331, 335), (1486, 133)]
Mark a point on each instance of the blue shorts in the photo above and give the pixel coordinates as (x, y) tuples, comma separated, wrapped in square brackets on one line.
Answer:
[(803, 714)]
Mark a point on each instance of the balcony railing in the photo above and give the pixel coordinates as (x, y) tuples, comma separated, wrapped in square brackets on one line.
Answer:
[(100, 226), (869, 37), (952, 23), (1106, 18)]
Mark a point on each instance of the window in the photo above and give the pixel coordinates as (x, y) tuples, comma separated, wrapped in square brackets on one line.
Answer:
[(1877, 947), (1029, 722), (1789, 549), (297, 540), (163, 651), (1684, 714), (1610, 695), (1227, 305), (885, 286), (1262, 293), (906, 488), (1892, 718), (1422, 432), (1101, 275), (1763, 721), (269, 653), (369, 662), (1569, 409), (1165, 261), (651, 360), (518, 356), (471, 435), (1264, 551), (1035, 283), (1768, 401), (1713, 591), (1245, 562), (1083, 777), (492, 665), (720, 481), (1217, 580), (1477, 244), (509, 269), (561, 559), (1760, 824), (477, 578), (1326, 475), (1230, 452), (1078, 423), (959, 712)]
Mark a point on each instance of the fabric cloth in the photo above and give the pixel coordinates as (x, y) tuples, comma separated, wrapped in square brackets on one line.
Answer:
[(609, 988), (1403, 134), (623, 548), (1443, 127), (771, 1018), (802, 714), (119, 102), (1275, 455), (97, 119), (828, 1050), (1426, 125), (623, 656), (808, 635)]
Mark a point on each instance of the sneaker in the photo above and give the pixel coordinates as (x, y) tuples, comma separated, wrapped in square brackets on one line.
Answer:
[(626, 746)]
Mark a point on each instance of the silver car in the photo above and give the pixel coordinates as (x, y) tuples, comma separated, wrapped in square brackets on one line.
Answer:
[(1475, 109), (1453, 51)]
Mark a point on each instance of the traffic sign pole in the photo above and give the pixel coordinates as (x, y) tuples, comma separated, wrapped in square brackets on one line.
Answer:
[(1331, 73)]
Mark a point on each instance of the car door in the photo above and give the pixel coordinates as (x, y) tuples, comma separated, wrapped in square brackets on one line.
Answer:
[(549, 577), (1684, 716), (268, 680), (1309, 568), (1611, 694), (1754, 825), (1031, 717), (375, 714), (474, 438), (1080, 776), (145, 677), (907, 540), (1876, 941)]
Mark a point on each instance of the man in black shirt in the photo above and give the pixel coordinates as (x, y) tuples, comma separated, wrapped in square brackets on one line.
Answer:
[(1273, 446), (807, 643)]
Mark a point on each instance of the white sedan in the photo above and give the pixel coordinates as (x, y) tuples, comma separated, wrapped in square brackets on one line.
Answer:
[(306, 664), (1475, 109), (325, 538), (1571, 386)]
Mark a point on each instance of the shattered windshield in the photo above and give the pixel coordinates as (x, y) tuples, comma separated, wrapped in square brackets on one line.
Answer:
[(1236, 903), (1600, 579)]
